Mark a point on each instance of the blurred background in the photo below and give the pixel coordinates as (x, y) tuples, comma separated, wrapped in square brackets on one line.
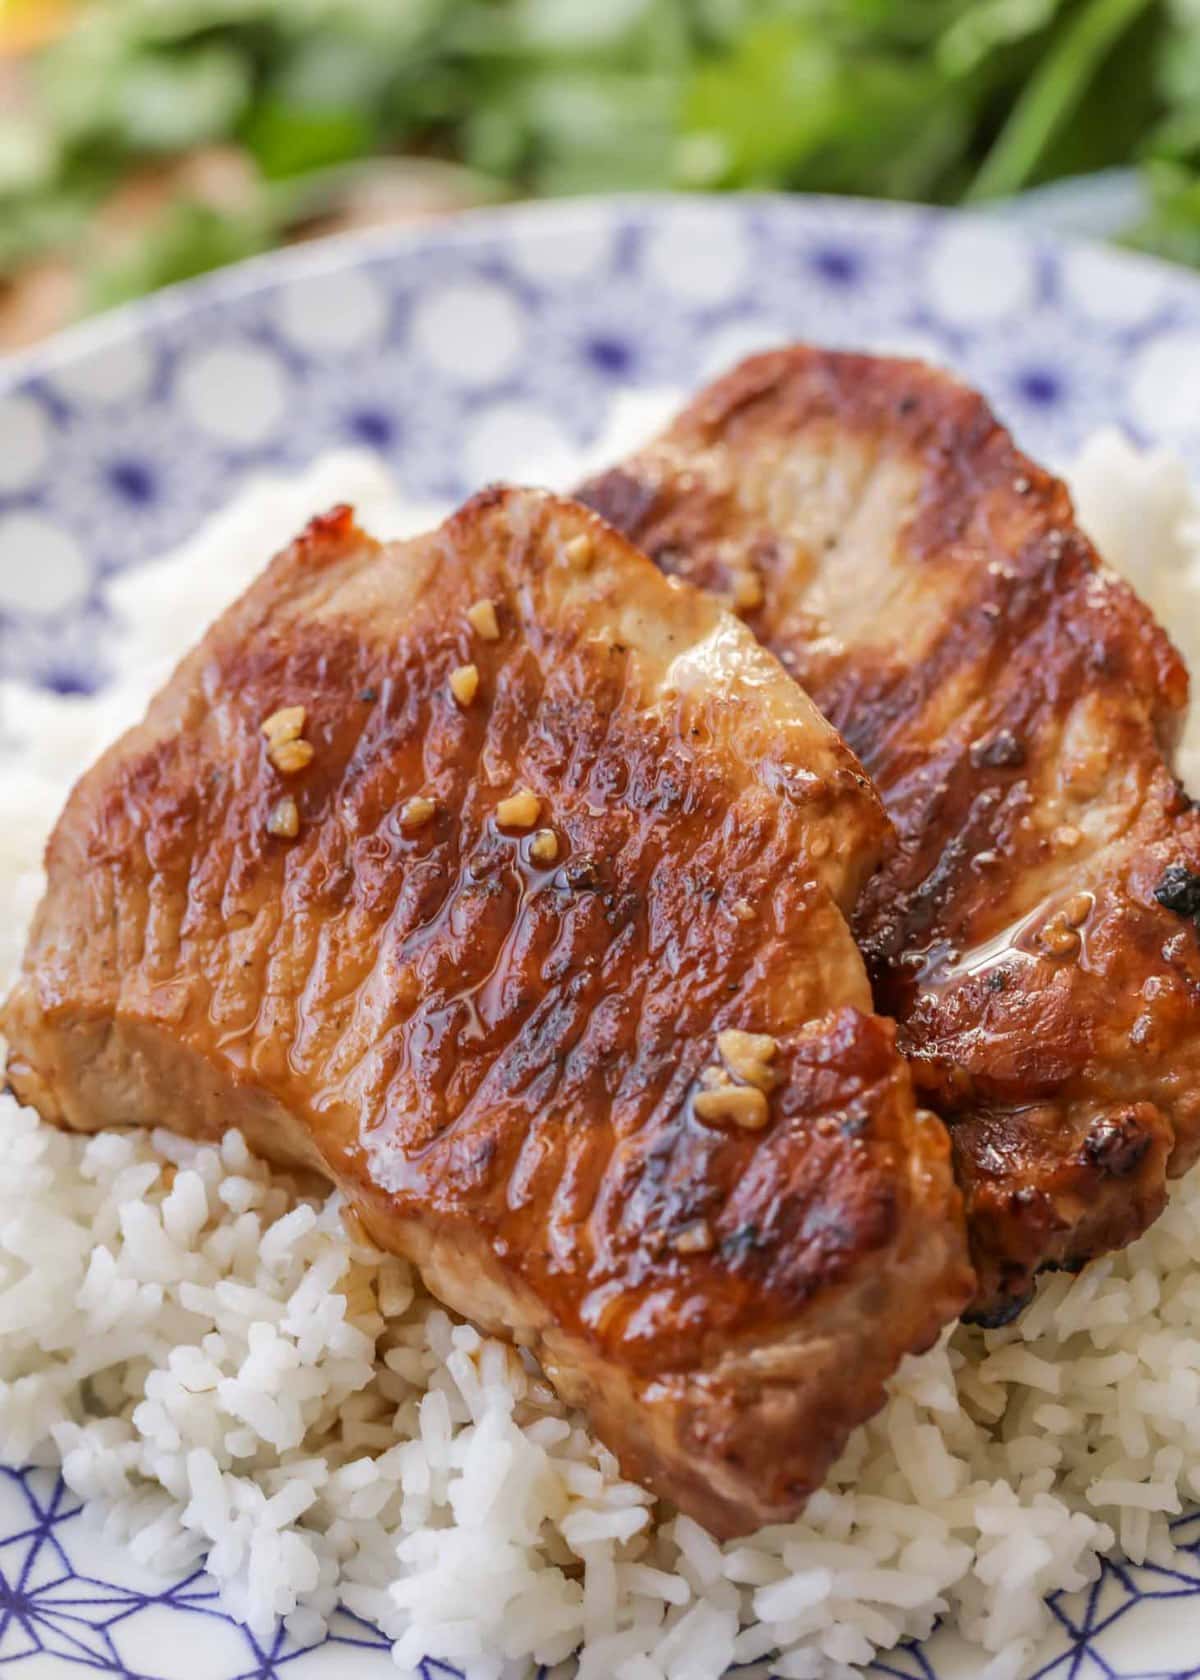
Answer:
[(145, 141)]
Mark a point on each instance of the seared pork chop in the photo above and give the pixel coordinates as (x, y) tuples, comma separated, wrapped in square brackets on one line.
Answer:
[(1034, 931), (506, 883)]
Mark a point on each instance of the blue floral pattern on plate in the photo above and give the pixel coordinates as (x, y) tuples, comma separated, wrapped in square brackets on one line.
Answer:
[(456, 354)]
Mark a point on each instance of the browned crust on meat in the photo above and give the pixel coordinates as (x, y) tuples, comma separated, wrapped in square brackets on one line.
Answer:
[(1016, 705), (497, 1059)]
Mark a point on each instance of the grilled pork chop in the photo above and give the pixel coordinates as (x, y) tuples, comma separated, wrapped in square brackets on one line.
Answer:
[(505, 882), (1034, 931)]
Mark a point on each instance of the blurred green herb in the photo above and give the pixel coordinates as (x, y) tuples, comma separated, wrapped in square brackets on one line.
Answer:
[(943, 100)]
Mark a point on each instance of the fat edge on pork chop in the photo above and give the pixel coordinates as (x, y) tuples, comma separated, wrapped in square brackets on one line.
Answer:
[(505, 882), (1034, 931)]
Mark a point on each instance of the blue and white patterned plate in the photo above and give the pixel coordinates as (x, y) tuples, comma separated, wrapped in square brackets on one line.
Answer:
[(458, 353)]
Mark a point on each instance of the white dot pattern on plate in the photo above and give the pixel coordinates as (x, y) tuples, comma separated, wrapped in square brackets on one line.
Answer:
[(24, 442), (976, 273), (42, 568), (472, 333), (342, 310), (112, 373), (582, 250), (1107, 288), (236, 393), (690, 258)]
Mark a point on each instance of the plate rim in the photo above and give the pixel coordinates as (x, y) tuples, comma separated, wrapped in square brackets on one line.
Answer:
[(462, 229)]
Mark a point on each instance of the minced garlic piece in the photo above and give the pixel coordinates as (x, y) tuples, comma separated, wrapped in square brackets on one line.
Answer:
[(747, 1055), (743, 910), (544, 847), (290, 756), (742, 1105), (284, 820), (696, 1238), (417, 811), (520, 810), (483, 620), (287, 724), (1077, 909), (1057, 937), (579, 549), (464, 683), (283, 729)]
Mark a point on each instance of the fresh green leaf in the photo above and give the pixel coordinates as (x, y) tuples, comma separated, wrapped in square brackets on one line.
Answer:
[(769, 105), (1053, 93), (1172, 226), (974, 36), (291, 140)]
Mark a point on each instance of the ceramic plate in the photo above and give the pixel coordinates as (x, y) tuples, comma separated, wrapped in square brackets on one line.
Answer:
[(459, 354)]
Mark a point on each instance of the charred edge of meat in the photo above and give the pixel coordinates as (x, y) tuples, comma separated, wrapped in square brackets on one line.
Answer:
[(996, 1317), (1010, 1308), (1179, 890), (1116, 1147)]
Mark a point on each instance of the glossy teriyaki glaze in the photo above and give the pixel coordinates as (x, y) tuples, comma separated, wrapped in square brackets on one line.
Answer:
[(1015, 705), (507, 882)]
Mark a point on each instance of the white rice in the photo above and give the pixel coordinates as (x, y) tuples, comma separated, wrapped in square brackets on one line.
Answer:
[(224, 1371)]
